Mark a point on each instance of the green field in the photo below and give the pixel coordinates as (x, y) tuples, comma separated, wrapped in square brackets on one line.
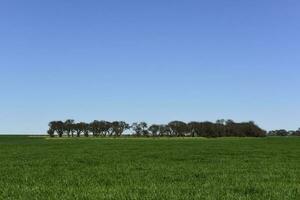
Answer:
[(180, 168)]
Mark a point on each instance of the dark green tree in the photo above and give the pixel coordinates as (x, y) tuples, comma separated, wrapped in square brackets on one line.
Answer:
[(118, 127), (154, 130), (68, 127), (140, 128), (179, 128)]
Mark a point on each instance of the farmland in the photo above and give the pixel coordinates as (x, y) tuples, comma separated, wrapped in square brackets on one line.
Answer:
[(149, 168)]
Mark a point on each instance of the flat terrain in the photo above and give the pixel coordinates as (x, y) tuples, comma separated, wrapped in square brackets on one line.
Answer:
[(180, 168)]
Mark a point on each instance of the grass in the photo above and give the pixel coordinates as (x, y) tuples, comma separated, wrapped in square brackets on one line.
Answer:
[(223, 168)]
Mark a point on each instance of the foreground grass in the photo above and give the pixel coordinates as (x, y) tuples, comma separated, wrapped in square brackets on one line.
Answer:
[(224, 168)]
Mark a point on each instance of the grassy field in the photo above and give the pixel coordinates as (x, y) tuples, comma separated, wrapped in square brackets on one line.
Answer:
[(223, 168)]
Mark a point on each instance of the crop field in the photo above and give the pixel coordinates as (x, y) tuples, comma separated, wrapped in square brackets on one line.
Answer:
[(164, 168)]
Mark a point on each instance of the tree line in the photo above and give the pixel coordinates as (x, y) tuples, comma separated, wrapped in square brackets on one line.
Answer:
[(220, 128), (283, 132)]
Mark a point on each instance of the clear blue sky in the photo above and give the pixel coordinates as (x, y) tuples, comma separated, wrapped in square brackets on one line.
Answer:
[(152, 60)]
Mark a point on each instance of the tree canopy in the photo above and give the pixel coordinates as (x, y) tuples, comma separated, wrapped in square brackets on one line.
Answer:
[(221, 128)]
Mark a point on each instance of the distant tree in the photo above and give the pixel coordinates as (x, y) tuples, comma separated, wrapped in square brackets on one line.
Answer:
[(208, 129), (58, 127), (165, 130), (229, 121), (101, 128), (220, 128), (178, 128), (221, 121), (144, 126), (52, 128), (73, 129), (255, 130), (68, 127), (118, 127), (296, 133), (80, 128), (61, 128), (281, 132), (194, 128), (291, 133), (105, 127), (94, 128), (154, 130), (85, 129), (139, 128), (50, 133), (230, 128)]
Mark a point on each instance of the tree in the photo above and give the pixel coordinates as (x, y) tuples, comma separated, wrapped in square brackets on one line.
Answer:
[(281, 132), (56, 126), (100, 128), (68, 127), (140, 128), (221, 121), (220, 128), (95, 128), (154, 130), (255, 130), (194, 128), (178, 128), (105, 128), (118, 127), (208, 129), (230, 128), (165, 130), (50, 133), (52, 128), (137, 129), (85, 129), (79, 128), (296, 133)]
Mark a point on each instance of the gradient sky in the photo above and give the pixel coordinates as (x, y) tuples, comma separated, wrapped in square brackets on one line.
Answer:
[(157, 61)]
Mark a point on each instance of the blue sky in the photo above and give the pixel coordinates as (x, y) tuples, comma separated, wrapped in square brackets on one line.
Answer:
[(153, 60)]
